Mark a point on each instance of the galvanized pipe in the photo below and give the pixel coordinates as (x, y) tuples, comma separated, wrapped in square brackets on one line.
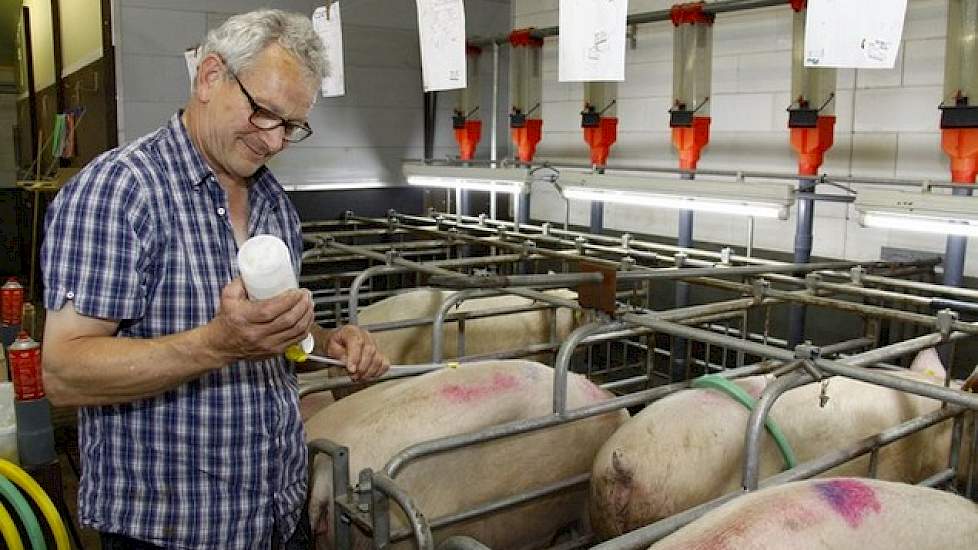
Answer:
[(422, 268), (494, 125), (847, 345), (340, 468), (803, 255), (562, 364), (932, 391), (501, 504), (438, 325), (858, 308), (568, 279), (669, 252), (353, 302), (419, 525), (759, 414), (930, 288), (547, 280), (596, 223)]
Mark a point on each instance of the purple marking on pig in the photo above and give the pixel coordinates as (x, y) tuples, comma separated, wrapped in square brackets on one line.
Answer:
[(850, 498), (467, 393)]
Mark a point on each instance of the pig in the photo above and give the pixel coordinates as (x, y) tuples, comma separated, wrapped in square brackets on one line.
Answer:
[(840, 513), (413, 345), (383, 419), (688, 448), (486, 335)]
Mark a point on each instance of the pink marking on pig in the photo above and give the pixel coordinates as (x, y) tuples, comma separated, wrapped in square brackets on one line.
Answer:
[(753, 386), (593, 391), (850, 498), (467, 393)]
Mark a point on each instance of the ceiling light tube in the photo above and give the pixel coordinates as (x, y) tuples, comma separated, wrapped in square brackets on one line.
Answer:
[(921, 211), (920, 224), (503, 180), (764, 200)]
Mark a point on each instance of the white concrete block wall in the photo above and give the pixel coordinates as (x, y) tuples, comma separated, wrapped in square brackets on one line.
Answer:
[(887, 123), (361, 136)]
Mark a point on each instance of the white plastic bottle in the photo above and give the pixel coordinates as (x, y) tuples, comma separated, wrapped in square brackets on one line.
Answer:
[(266, 270)]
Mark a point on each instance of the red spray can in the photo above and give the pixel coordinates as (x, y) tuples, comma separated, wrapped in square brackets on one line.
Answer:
[(11, 302), (25, 368)]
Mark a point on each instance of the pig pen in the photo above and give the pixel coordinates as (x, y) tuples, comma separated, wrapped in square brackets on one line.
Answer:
[(633, 348)]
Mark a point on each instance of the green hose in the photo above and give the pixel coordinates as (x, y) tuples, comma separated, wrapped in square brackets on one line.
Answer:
[(23, 509), (724, 385)]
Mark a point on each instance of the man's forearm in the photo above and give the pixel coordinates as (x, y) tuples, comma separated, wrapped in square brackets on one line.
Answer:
[(103, 370)]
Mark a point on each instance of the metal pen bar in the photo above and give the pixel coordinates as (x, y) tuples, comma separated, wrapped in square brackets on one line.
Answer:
[(414, 452), (501, 504), (415, 266), (948, 395), (340, 467), (759, 414), (419, 525), (565, 279), (938, 289), (459, 542), (722, 6), (938, 479)]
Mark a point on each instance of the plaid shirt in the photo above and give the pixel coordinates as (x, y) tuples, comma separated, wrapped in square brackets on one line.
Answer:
[(142, 235)]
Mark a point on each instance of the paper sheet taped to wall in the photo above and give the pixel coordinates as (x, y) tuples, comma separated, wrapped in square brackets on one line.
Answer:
[(861, 35), (192, 57), (441, 32), (326, 22), (592, 40)]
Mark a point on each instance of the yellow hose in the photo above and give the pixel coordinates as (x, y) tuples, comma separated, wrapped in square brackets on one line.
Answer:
[(9, 531), (13, 472)]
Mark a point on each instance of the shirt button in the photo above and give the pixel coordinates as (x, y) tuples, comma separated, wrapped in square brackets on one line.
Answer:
[(220, 211), (70, 295)]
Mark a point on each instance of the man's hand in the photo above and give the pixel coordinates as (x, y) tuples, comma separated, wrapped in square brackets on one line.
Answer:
[(358, 349), (243, 329)]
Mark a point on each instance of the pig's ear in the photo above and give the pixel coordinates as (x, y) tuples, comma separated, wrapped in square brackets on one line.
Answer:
[(927, 362)]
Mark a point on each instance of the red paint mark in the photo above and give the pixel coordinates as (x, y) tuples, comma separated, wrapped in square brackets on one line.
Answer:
[(850, 498), (467, 393)]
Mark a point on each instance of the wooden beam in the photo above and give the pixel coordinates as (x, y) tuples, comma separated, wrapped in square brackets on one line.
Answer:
[(108, 77), (59, 88), (31, 95)]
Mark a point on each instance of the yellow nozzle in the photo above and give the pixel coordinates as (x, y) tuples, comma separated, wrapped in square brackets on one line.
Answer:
[(296, 354)]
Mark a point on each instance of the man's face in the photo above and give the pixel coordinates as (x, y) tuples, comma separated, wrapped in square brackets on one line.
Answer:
[(280, 88)]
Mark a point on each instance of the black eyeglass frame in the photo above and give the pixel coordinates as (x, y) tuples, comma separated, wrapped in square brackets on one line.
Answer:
[(291, 126)]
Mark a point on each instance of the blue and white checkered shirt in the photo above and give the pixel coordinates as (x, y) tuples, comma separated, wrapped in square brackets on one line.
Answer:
[(142, 236)]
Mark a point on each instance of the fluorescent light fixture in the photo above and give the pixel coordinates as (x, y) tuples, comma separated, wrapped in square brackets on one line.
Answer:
[(763, 200), (338, 185), (921, 211), (503, 180)]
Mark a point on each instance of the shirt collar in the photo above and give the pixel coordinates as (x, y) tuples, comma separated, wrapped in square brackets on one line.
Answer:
[(264, 188), (196, 167)]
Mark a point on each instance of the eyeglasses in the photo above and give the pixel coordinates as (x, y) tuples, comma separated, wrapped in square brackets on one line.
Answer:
[(264, 119)]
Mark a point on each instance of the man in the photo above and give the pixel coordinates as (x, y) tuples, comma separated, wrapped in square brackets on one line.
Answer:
[(189, 425)]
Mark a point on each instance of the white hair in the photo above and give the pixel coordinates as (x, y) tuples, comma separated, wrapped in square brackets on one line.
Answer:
[(242, 37)]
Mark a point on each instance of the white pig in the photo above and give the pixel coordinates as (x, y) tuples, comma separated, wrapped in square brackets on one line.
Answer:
[(688, 448), (837, 513), (381, 420), (485, 335), (413, 345)]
